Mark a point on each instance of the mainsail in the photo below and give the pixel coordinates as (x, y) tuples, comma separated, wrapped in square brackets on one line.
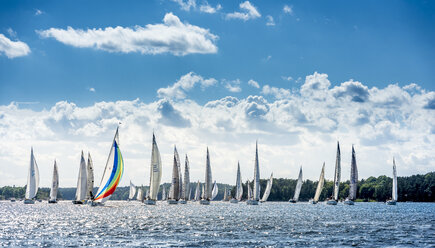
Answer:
[(249, 191), (197, 192), (256, 195), (298, 186), (54, 183), (239, 186), (90, 176), (268, 188), (214, 191), (186, 186), (353, 177), (112, 173), (180, 175), (82, 181), (320, 184), (155, 171), (394, 191), (139, 196), (32, 178), (174, 192), (337, 173), (132, 191), (203, 192), (208, 179), (164, 198)]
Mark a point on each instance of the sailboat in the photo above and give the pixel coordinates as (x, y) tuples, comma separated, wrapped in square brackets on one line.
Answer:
[(90, 179), (32, 180), (353, 180), (319, 185), (214, 191), (54, 185), (174, 192), (186, 185), (337, 174), (198, 192), (155, 174), (208, 185), (256, 192), (298, 188), (112, 173), (225, 195), (249, 192), (239, 187), (394, 197), (268, 188), (139, 196), (82, 183), (203, 192), (132, 192)]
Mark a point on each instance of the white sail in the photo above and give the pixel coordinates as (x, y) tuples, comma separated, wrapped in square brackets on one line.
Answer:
[(54, 183), (239, 186), (215, 191), (203, 192), (268, 188), (139, 196), (337, 173), (225, 194), (180, 175), (208, 179), (320, 184), (132, 192), (147, 194), (190, 195), (174, 191), (353, 177), (394, 191), (249, 191), (32, 178), (164, 198), (155, 170), (90, 178), (186, 186), (298, 186), (256, 195), (197, 192), (82, 181)]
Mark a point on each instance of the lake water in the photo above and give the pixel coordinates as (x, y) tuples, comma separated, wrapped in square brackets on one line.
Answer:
[(221, 224)]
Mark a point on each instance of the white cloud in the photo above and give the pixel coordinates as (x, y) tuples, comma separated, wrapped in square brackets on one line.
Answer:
[(38, 12), (278, 93), (270, 21), (185, 83), (287, 78), (249, 12), (254, 84), (12, 33), (186, 5), (172, 36), (233, 86), (13, 49), (287, 9), (92, 89), (207, 8)]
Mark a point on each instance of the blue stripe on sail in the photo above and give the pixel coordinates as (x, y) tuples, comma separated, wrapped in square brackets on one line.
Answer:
[(115, 165)]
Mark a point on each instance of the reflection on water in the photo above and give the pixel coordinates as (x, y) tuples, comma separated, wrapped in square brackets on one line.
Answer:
[(220, 224)]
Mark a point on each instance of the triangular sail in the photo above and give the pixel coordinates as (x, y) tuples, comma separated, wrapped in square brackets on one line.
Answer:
[(268, 188), (337, 173), (180, 175), (197, 192), (155, 170), (214, 191), (112, 173), (298, 186), (225, 194), (174, 192), (203, 192), (186, 186), (239, 186), (249, 191), (132, 192), (139, 196), (353, 177), (32, 178), (163, 193), (90, 177), (394, 191), (54, 183), (256, 193), (208, 178), (320, 184), (82, 181)]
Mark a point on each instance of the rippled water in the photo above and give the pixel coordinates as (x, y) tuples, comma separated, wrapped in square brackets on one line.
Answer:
[(220, 224)]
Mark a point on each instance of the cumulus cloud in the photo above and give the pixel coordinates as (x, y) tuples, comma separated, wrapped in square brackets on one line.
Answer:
[(171, 36), (186, 5), (185, 83), (356, 91), (207, 8), (287, 9), (254, 84), (249, 12), (270, 21), (13, 49), (278, 93), (233, 86)]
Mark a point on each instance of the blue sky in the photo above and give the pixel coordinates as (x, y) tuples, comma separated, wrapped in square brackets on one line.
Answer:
[(297, 75)]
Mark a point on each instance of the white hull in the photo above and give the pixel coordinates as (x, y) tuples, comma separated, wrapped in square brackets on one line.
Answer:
[(252, 202), (149, 202), (331, 202), (204, 202), (391, 202), (29, 201), (234, 201), (171, 201)]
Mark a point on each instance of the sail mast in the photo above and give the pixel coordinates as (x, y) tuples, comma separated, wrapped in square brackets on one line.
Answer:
[(353, 177), (320, 184), (337, 173)]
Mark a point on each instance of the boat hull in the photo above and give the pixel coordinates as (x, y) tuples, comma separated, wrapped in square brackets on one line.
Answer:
[(349, 202), (149, 202), (78, 202), (391, 202), (312, 201), (252, 202), (204, 202), (331, 202), (29, 201), (172, 202), (182, 202), (234, 201), (13, 200), (52, 201), (292, 201)]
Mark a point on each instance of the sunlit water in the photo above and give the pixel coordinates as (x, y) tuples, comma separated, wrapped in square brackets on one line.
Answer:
[(220, 224)]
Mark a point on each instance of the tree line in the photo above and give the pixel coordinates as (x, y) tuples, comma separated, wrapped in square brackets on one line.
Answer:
[(419, 188)]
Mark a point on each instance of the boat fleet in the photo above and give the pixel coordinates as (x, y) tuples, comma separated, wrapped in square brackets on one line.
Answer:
[(180, 191)]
